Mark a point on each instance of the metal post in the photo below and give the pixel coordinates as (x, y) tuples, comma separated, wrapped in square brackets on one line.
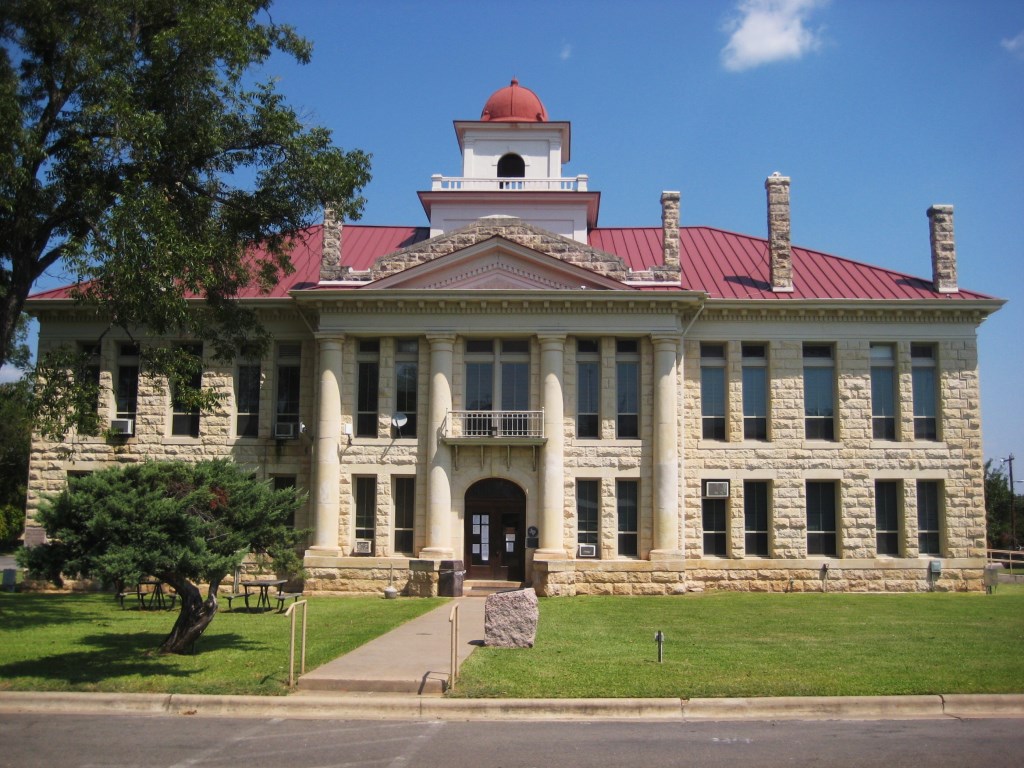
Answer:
[(659, 638), (453, 619), (1013, 511), (291, 642)]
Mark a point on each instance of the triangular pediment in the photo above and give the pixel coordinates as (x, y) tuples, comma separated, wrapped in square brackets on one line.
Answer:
[(497, 264)]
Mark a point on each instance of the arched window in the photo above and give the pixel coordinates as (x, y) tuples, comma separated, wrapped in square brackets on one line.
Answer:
[(511, 166)]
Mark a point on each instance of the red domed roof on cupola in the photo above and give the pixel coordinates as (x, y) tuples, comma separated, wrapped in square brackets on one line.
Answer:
[(514, 104)]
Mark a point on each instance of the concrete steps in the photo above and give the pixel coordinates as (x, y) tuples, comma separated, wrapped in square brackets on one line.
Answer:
[(485, 587)]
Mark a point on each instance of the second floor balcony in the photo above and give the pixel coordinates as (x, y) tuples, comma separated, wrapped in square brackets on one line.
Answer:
[(495, 427)]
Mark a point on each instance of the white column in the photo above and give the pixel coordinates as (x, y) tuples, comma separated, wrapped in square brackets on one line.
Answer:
[(552, 468), (666, 451), (328, 446), (439, 462)]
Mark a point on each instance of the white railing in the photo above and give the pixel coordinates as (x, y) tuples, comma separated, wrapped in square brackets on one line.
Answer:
[(453, 619), (463, 183), (494, 424)]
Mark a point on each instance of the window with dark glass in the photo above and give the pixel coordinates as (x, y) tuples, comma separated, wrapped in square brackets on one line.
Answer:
[(883, 392), (185, 416), (366, 507), (627, 501), (755, 517), (126, 389), (821, 518), (407, 386), (497, 371), (713, 515), (88, 372), (929, 508), (627, 388), (924, 381), (887, 517), (367, 388), (712, 391), (511, 166), (588, 388), (405, 511), (281, 483), (588, 494), (755, 391), (247, 400), (286, 404), (819, 392)]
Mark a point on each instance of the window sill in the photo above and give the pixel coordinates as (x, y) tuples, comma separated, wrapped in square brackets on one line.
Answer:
[(821, 445), (907, 444), (182, 440)]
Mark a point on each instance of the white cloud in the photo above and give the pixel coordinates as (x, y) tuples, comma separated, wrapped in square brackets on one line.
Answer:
[(566, 52), (1015, 45), (9, 373), (766, 31)]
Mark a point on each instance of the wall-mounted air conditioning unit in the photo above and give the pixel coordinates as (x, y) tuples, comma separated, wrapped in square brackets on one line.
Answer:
[(586, 550), (716, 489), (363, 547), (122, 426), (286, 431)]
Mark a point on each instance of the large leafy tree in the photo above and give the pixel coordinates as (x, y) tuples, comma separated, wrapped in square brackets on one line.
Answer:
[(139, 155), (185, 524), (998, 507)]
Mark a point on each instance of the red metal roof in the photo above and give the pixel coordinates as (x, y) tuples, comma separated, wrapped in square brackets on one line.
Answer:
[(723, 264)]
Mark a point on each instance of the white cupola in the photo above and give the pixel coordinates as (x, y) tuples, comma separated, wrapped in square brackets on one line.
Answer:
[(512, 161)]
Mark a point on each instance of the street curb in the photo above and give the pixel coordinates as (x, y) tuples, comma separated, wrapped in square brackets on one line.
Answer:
[(390, 707)]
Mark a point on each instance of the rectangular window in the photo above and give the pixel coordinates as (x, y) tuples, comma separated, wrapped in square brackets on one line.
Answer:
[(929, 508), (712, 391), (883, 392), (887, 517), (627, 501), (923, 378), (126, 391), (368, 388), (88, 372), (713, 514), (185, 417), (627, 388), (406, 388), (366, 507), (286, 408), (755, 517), (405, 510), (755, 391), (247, 400), (588, 494), (502, 378), (821, 518), (283, 482), (588, 388), (819, 392)]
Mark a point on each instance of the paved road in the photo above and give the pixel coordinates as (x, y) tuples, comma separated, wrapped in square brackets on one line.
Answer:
[(76, 741)]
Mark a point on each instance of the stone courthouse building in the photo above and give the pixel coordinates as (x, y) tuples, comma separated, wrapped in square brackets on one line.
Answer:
[(589, 410)]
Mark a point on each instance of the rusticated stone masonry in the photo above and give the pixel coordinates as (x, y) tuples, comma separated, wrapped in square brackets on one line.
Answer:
[(330, 262), (940, 221), (669, 236), (511, 229), (780, 250)]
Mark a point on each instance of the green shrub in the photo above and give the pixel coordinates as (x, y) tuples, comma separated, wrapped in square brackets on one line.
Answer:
[(12, 523)]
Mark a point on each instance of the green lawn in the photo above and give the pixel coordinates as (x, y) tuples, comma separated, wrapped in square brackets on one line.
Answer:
[(731, 644), (87, 643)]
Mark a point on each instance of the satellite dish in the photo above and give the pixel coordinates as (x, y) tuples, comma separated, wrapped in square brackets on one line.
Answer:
[(400, 420)]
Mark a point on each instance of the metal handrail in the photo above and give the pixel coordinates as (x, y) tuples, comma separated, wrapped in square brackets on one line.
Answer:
[(453, 619), (291, 644)]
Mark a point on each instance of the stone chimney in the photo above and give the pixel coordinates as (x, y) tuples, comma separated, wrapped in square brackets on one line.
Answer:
[(670, 229), (940, 221), (330, 258), (779, 248)]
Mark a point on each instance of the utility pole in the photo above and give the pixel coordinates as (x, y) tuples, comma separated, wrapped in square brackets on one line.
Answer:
[(1013, 511)]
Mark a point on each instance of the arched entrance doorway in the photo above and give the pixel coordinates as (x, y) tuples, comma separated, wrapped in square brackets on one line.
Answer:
[(495, 530)]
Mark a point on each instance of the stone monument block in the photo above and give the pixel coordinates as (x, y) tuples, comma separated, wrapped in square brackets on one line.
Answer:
[(510, 619)]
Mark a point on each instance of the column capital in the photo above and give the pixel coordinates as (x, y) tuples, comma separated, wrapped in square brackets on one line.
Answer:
[(662, 339), (551, 339), (441, 339), (325, 337)]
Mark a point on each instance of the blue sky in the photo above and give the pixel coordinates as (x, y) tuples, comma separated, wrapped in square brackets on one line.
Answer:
[(875, 109)]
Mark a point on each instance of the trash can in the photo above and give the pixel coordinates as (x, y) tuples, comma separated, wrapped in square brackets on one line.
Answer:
[(992, 571), (10, 583), (452, 575)]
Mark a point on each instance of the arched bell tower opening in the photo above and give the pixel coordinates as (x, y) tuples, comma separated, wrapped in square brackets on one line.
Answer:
[(495, 530), (510, 166)]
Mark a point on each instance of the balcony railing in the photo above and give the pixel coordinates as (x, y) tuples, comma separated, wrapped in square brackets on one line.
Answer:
[(462, 183), (494, 425)]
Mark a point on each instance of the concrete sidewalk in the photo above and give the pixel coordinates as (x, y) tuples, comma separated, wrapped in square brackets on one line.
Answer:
[(413, 658)]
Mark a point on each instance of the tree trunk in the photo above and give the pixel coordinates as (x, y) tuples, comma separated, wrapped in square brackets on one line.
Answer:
[(196, 614)]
